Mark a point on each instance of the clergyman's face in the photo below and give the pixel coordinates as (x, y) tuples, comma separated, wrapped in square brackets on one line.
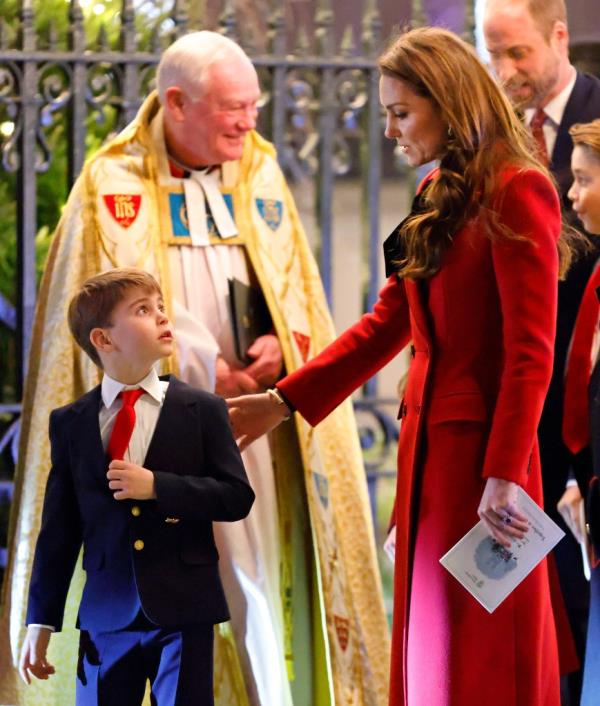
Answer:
[(526, 63), (413, 121), (216, 123), (585, 190)]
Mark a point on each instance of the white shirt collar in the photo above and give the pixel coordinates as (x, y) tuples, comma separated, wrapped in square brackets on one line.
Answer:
[(151, 384), (556, 107)]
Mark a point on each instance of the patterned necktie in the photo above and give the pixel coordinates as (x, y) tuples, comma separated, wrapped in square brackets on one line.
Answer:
[(124, 423), (576, 417), (537, 131)]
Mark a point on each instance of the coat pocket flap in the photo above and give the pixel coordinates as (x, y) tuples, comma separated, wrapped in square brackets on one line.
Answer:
[(92, 561), (461, 406)]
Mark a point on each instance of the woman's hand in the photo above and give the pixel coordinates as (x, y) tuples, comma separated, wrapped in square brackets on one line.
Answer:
[(251, 416), (499, 511)]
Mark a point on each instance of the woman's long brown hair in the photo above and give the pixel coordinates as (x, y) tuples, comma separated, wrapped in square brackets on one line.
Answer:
[(484, 135)]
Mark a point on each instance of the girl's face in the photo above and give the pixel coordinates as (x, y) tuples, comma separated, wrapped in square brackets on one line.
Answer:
[(585, 191), (413, 121)]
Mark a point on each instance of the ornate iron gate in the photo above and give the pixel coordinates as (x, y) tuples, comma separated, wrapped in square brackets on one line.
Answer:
[(320, 108)]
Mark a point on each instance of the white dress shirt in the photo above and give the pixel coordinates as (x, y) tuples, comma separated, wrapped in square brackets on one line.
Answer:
[(147, 409), (554, 114)]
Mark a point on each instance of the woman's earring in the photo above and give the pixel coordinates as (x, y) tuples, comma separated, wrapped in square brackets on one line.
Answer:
[(449, 132)]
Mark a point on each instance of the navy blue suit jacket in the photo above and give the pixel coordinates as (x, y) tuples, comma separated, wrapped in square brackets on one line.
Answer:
[(583, 106), (199, 478)]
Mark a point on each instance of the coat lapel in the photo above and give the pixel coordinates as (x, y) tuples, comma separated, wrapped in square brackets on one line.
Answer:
[(561, 154), (168, 419), (86, 430)]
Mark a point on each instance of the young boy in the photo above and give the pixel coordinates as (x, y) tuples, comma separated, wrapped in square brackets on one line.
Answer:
[(139, 486)]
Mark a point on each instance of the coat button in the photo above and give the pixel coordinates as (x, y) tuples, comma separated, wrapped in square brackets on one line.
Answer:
[(135, 511), (138, 545)]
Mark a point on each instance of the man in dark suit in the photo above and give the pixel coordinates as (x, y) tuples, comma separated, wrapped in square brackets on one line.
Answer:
[(152, 592), (528, 42)]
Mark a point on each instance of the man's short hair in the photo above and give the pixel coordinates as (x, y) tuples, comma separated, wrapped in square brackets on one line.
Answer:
[(94, 303), (186, 61), (546, 13)]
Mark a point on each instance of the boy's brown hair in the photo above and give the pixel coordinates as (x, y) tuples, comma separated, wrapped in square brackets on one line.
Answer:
[(94, 303)]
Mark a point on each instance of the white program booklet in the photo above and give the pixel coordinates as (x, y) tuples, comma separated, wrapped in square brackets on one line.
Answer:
[(490, 571)]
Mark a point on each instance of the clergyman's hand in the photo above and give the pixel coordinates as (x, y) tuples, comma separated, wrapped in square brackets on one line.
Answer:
[(268, 360), (231, 382), (251, 416)]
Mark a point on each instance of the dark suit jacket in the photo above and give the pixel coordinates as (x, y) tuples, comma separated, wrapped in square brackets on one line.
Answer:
[(199, 478), (583, 106)]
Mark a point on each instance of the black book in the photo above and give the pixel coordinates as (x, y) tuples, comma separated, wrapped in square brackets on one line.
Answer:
[(250, 317)]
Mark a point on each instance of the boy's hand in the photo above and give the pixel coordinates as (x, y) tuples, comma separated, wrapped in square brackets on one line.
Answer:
[(130, 481), (33, 654)]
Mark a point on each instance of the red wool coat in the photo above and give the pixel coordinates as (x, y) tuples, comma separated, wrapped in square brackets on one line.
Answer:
[(483, 331)]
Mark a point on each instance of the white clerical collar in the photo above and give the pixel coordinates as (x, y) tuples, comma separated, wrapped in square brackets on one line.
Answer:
[(556, 107), (150, 384)]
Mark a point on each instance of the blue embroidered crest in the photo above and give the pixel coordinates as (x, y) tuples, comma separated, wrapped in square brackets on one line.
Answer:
[(179, 217), (270, 211), (322, 486)]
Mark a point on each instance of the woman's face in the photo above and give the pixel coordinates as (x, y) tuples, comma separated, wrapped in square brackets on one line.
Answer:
[(585, 192), (413, 121)]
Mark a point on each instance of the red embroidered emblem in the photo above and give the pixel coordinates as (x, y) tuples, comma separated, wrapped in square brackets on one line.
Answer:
[(303, 343), (124, 208), (342, 629)]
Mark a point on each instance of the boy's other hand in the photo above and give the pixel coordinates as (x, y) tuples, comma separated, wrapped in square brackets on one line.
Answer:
[(33, 654), (130, 481)]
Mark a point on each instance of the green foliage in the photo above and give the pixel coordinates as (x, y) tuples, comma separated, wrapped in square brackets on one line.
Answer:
[(53, 26)]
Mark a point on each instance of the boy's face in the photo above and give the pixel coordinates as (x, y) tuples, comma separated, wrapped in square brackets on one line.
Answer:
[(140, 333)]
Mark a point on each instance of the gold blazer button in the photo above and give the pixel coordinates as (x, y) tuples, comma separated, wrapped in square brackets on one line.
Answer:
[(135, 511), (138, 545)]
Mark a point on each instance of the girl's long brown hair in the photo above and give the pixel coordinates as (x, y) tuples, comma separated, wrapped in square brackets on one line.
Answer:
[(484, 134)]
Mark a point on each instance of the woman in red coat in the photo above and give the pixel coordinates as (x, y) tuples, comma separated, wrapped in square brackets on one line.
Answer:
[(473, 284)]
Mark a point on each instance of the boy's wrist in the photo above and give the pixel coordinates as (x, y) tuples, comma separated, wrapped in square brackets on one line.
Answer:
[(51, 628)]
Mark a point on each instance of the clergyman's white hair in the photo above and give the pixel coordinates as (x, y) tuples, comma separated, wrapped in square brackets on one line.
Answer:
[(186, 61)]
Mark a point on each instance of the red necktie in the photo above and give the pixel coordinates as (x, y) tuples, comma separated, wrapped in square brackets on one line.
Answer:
[(576, 419), (537, 131), (124, 423)]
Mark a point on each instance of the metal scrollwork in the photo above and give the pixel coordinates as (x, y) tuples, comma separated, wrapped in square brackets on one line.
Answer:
[(351, 98), (10, 115), (103, 89), (55, 90), (301, 106), (378, 433)]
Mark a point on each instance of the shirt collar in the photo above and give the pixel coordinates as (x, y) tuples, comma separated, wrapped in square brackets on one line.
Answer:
[(110, 387), (556, 107)]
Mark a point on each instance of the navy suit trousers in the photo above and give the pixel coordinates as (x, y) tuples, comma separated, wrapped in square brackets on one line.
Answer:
[(113, 667)]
